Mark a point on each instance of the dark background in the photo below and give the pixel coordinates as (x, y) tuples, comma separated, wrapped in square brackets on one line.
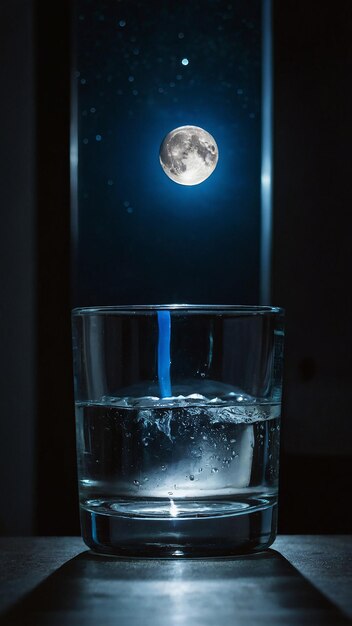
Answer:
[(310, 277)]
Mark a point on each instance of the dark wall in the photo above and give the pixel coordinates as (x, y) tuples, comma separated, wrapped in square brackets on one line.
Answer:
[(312, 258), (17, 267), (56, 492), (311, 267)]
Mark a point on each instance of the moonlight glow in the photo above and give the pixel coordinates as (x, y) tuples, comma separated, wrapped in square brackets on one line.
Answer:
[(188, 155)]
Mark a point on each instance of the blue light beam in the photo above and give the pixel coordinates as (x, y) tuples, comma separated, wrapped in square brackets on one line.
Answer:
[(164, 360)]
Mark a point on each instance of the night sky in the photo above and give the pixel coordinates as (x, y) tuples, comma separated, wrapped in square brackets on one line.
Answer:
[(141, 70)]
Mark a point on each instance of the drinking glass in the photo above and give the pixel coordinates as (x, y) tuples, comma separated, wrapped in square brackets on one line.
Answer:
[(178, 427)]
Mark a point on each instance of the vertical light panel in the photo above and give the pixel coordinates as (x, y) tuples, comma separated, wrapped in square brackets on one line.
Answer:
[(267, 149)]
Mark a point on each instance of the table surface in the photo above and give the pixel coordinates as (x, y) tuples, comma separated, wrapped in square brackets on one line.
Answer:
[(58, 581)]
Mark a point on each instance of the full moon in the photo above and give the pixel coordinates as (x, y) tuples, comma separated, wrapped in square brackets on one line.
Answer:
[(188, 155)]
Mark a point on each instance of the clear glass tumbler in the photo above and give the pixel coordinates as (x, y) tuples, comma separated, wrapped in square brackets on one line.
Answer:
[(178, 428)]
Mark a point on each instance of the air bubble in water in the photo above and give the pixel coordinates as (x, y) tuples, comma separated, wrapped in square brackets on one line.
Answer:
[(136, 482), (163, 468), (214, 470), (191, 477)]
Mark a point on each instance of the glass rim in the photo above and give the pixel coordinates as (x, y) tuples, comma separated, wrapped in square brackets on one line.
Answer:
[(235, 309)]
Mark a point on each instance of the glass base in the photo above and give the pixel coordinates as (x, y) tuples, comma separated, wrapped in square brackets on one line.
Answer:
[(179, 529)]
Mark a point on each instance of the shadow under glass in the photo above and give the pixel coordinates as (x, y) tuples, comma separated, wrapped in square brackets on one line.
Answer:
[(94, 589)]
